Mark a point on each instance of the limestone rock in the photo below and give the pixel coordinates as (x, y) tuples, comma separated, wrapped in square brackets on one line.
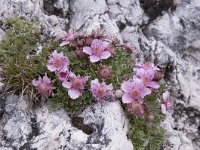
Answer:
[(170, 39), (44, 129)]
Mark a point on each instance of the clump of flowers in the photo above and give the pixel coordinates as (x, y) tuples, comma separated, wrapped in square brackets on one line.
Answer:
[(141, 86), (86, 64), (89, 65), (97, 66), (78, 69)]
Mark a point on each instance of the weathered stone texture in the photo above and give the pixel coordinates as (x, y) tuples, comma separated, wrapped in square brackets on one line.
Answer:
[(170, 38)]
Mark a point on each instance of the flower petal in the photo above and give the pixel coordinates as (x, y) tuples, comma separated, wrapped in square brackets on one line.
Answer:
[(153, 84), (94, 58), (67, 84), (87, 50), (166, 96), (35, 83), (73, 93), (105, 55), (126, 86), (95, 43), (94, 84), (51, 68), (163, 109), (46, 80), (145, 92), (126, 98), (104, 45), (64, 43), (110, 87)]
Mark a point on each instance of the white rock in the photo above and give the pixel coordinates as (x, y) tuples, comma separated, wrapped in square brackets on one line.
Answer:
[(172, 39)]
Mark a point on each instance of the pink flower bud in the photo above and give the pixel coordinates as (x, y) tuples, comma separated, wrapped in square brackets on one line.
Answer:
[(88, 41), (105, 72), (128, 47), (136, 108), (158, 75), (79, 53), (150, 117), (80, 42)]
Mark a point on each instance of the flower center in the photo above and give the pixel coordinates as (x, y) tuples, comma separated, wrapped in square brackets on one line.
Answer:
[(145, 80), (57, 62), (97, 51), (105, 73), (147, 66), (42, 87), (135, 93), (78, 83), (63, 74), (100, 92)]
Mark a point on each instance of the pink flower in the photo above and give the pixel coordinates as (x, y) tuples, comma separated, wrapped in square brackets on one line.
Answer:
[(97, 51), (63, 74), (147, 77), (66, 38), (134, 90), (100, 90), (146, 66), (57, 61), (43, 85), (75, 85), (167, 104)]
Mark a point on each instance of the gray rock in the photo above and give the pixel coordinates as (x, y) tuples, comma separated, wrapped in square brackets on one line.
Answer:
[(44, 129), (177, 49), (171, 40)]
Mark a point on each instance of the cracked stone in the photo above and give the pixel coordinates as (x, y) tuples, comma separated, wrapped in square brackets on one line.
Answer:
[(169, 37)]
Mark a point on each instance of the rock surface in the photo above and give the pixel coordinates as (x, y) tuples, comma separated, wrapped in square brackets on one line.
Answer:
[(44, 129), (170, 38)]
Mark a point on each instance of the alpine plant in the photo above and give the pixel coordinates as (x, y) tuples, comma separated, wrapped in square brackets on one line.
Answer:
[(97, 49), (80, 69)]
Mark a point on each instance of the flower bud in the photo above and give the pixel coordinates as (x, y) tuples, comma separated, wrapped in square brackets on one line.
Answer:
[(105, 72), (150, 117), (146, 107), (136, 108), (88, 40), (118, 93), (79, 53), (80, 42), (158, 75), (111, 49), (128, 47)]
